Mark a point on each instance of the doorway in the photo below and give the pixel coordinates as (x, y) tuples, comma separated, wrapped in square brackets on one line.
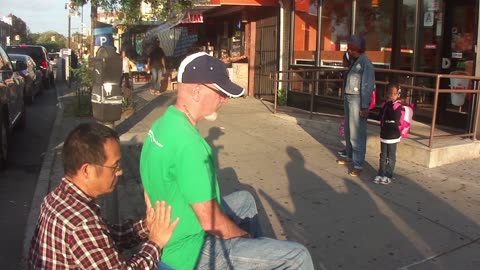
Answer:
[(266, 54), (458, 55)]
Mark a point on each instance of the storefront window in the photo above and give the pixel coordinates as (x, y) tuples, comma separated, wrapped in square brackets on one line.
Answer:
[(374, 23), (407, 34), (305, 43), (336, 25), (431, 30)]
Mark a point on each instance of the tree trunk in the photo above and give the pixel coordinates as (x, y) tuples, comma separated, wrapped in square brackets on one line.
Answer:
[(93, 20)]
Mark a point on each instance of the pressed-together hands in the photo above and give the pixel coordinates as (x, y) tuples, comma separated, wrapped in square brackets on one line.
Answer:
[(158, 222)]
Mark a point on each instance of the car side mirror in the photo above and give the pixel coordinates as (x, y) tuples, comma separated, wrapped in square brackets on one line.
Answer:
[(20, 65)]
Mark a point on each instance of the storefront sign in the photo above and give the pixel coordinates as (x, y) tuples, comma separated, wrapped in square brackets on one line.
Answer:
[(430, 46), (446, 63), (103, 36), (192, 18), (457, 55), (428, 19)]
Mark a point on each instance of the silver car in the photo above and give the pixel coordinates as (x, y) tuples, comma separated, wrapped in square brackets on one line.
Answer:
[(12, 106), (33, 76)]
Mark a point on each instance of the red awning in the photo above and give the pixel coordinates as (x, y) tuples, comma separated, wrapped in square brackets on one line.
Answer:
[(246, 2)]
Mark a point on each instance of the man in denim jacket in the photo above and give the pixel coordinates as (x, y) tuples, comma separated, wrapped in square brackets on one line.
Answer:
[(359, 84)]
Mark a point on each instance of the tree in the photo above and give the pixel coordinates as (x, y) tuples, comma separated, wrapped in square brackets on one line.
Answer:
[(52, 41), (19, 30), (169, 10)]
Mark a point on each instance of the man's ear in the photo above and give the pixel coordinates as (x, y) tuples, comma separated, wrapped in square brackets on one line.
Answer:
[(86, 170), (196, 93)]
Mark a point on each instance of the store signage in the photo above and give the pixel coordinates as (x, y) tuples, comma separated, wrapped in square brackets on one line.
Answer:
[(428, 19), (103, 36), (430, 46), (446, 63), (457, 55), (192, 18)]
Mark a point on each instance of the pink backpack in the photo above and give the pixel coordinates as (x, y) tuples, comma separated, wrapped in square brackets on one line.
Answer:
[(405, 118)]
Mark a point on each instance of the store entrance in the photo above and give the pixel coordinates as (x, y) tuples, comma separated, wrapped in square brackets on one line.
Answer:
[(458, 54), (459, 36)]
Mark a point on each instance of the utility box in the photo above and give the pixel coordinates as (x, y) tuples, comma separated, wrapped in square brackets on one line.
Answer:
[(106, 68)]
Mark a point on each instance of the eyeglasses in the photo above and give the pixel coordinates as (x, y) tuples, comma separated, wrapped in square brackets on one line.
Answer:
[(216, 90), (115, 169)]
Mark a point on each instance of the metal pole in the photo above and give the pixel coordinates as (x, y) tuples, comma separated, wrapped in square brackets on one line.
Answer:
[(69, 24), (435, 108), (80, 53)]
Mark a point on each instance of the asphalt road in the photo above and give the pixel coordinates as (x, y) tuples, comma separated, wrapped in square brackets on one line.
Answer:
[(17, 183)]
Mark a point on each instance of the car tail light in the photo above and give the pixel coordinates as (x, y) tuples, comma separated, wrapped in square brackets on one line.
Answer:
[(44, 64)]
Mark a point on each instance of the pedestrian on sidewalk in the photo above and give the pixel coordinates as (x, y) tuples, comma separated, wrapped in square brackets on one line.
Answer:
[(156, 65), (70, 232), (177, 165), (389, 134), (359, 85)]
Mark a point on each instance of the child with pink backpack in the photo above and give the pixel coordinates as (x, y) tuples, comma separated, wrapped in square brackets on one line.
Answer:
[(394, 124)]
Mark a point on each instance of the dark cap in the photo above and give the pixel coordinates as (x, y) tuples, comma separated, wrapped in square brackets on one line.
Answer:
[(357, 41), (203, 68)]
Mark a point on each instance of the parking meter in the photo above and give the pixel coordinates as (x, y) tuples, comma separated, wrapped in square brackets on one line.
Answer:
[(106, 68)]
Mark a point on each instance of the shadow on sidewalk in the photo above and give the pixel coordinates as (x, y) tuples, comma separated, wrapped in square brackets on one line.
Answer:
[(359, 225), (229, 182)]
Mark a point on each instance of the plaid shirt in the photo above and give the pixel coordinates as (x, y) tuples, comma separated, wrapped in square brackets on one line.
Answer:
[(71, 234)]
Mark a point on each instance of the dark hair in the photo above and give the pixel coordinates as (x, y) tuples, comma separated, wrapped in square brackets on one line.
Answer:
[(85, 144), (390, 87)]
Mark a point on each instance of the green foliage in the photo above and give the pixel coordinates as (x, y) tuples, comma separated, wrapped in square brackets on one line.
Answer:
[(282, 97), (84, 75)]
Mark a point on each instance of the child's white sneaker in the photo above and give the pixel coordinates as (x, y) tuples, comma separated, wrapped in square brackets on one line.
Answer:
[(377, 179), (385, 181)]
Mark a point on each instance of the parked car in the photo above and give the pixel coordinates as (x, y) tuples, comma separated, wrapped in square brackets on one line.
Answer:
[(33, 76), (12, 106), (39, 55)]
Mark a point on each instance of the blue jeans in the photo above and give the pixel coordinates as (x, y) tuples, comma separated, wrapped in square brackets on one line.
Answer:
[(156, 81), (387, 159), (250, 253), (355, 131)]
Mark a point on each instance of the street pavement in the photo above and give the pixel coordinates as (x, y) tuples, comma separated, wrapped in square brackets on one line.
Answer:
[(425, 219)]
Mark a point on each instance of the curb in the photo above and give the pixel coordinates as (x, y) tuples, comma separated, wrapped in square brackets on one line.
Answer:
[(43, 182)]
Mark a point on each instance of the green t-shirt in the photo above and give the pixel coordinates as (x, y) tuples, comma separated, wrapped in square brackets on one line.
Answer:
[(177, 166)]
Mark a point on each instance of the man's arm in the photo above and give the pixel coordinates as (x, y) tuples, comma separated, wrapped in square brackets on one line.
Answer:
[(92, 247), (215, 222)]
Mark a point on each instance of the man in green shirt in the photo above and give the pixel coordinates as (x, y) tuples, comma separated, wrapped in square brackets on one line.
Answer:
[(177, 165)]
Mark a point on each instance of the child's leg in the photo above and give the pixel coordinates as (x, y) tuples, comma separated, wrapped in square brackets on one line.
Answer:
[(392, 154), (383, 159)]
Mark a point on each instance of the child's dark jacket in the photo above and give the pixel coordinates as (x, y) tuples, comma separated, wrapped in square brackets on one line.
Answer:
[(390, 122)]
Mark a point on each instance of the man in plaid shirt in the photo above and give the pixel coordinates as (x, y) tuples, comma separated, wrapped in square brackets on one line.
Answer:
[(71, 234)]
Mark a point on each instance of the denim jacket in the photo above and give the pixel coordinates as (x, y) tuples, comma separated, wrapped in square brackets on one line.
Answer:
[(360, 80)]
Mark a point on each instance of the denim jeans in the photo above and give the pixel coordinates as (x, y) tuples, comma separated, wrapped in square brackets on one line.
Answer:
[(387, 159), (156, 81), (250, 253), (355, 131)]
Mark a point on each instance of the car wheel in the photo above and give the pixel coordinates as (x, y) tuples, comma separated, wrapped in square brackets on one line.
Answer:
[(3, 142)]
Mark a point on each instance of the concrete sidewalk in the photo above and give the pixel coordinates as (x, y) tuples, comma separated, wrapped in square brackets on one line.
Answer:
[(426, 219)]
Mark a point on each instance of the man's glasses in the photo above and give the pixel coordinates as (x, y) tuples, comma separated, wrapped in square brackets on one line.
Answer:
[(115, 169), (216, 90)]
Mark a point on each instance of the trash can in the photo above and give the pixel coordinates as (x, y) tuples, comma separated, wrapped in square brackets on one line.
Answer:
[(106, 68), (458, 99)]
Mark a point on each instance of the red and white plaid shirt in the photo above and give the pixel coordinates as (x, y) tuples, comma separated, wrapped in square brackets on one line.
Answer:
[(71, 234)]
